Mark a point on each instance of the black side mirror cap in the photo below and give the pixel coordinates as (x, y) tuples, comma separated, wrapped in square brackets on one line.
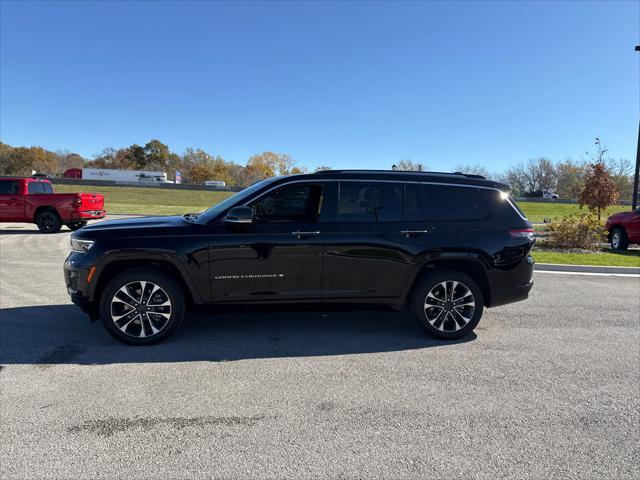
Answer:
[(239, 216)]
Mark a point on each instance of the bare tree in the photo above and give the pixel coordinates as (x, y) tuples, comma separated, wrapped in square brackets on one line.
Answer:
[(406, 165), (476, 169)]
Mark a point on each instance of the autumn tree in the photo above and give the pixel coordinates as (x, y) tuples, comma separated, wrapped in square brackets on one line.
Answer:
[(570, 178), (599, 191), (23, 160)]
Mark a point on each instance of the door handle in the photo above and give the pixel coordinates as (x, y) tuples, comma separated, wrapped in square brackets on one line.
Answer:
[(299, 234), (413, 233)]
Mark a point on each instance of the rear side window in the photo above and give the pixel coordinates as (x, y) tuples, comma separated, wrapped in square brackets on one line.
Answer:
[(460, 203), (371, 202), (39, 187), (9, 188)]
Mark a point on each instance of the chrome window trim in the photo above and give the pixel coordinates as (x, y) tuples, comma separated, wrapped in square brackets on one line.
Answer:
[(447, 184)]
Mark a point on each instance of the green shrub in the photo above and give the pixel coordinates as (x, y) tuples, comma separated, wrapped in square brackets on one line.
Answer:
[(576, 231)]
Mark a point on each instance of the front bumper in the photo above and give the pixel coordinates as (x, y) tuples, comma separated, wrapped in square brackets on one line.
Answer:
[(76, 279)]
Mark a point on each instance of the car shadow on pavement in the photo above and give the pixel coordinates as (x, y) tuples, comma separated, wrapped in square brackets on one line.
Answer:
[(62, 334), (29, 231)]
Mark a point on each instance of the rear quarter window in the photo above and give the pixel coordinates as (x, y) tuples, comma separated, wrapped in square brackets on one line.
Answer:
[(39, 188), (451, 203)]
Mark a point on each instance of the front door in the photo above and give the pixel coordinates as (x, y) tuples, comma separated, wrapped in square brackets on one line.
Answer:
[(11, 201), (279, 256)]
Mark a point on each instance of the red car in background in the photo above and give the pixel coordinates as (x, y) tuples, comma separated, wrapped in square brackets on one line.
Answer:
[(624, 228), (33, 200)]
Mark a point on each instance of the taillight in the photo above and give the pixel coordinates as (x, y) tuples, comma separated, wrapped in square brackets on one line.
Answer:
[(77, 202), (522, 233)]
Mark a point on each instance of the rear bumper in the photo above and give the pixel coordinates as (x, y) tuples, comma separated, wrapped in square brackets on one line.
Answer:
[(92, 214), (511, 295), (513, 284)]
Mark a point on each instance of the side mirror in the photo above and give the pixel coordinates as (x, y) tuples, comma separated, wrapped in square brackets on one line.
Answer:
[(239, 216)]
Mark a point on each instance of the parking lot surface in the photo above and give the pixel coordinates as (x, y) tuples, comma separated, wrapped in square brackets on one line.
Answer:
[(546, 388)]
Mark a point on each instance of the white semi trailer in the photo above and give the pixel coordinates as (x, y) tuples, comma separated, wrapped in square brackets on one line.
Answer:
[(130, 176)]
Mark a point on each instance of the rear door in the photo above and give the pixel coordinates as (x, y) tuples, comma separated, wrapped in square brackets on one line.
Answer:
[(372, 244), (279, 256), (11, 201)]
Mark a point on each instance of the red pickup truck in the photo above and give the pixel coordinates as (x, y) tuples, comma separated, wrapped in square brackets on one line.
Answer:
[(32, 200), (624, 228)]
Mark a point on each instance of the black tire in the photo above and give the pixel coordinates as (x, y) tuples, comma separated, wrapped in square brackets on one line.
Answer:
[(126, 324), (76, 225), (443, 318), (48, 221), (619, 239)]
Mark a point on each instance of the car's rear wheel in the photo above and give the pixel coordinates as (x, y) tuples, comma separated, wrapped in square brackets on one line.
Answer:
[(619, 239), (447, 304), (142, 306), (76, 225), (48, 221)]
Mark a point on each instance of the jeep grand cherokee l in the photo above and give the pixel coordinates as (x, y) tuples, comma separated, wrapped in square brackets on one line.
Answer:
[(445, 245)]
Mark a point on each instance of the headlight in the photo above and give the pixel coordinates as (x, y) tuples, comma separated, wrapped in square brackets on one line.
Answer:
[(81, 246)]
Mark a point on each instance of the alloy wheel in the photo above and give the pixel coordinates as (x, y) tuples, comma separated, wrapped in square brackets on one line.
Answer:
[(449, 306), (615, 239), (140, 309)]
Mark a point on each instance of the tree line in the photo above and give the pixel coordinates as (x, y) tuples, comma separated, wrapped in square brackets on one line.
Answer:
[(566, 177), (195, 164)]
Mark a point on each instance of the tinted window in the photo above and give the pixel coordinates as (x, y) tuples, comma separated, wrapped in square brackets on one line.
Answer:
[(370, 202), (411, 207), (9, 188), (39, 187), (460, 203), (295, 203)]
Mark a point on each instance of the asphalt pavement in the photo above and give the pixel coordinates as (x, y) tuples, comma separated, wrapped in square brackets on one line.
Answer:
[(545, 388)]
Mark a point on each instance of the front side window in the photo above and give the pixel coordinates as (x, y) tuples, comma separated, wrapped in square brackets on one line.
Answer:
[(294, 203), (9, 188), (370, 202)]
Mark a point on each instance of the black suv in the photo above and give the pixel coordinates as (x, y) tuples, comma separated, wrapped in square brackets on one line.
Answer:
[(445, 244)]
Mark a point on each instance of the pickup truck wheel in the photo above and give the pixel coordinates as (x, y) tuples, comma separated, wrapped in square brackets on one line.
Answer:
[(447, 304), (619, 239), (142, 306), (76, 226), (48, 221)]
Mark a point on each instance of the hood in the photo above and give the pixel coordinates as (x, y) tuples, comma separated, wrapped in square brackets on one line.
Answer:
[(623, 215), (137, 223)]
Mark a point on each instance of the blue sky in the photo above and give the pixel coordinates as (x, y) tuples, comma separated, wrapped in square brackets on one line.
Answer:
[(344, 84)]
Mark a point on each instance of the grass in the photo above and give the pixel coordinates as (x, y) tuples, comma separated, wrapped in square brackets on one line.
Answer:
[(157, 201), (537, 211), (629, 258), (150, 201)]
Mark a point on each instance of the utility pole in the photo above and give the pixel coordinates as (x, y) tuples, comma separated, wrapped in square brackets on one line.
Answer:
[(634, 199)]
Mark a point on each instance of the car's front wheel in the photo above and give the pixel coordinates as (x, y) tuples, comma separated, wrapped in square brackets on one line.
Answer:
[(447, 304), (142, 306), (619, 239)]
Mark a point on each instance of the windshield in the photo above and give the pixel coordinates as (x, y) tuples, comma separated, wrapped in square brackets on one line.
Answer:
[(214, 211)]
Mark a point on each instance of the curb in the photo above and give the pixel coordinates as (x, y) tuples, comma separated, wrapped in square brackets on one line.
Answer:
[(556, 267)]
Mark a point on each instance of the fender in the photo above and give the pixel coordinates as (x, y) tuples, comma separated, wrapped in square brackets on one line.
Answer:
[(144, 257), (474, 263)]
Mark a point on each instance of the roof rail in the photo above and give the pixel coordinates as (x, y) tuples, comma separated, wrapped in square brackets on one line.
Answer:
[(467, 175)]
